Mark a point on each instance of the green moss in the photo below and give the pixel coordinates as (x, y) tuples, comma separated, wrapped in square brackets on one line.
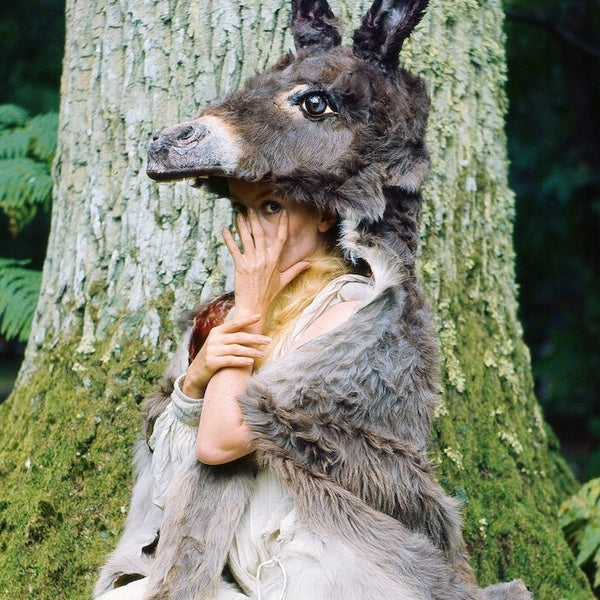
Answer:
[(65, 465), (493, 453), (66, 433), (493, 449)]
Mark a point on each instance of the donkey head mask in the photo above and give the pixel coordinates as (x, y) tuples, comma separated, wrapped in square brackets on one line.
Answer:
[(333, 127)]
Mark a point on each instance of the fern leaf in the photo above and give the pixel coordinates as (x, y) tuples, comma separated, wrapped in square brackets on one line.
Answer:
[(579, 517), (25, 187), (12, 115), (26, 150), (15, 143), (43, 131), (19, 291)]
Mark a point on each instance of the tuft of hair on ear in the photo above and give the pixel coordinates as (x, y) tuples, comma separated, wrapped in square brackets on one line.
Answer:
[(314, 25), (384, 28)]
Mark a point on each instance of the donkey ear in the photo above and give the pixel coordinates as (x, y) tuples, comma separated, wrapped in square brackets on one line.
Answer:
[(314, 25), (384, 28)]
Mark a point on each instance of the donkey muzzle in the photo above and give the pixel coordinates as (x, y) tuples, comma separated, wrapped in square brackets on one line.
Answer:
[(206, 146)]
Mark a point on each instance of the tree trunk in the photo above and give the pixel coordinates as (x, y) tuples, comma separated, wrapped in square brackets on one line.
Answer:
[(126, 256)]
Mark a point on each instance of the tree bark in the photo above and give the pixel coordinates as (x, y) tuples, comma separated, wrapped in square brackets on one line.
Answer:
[(127, 256)]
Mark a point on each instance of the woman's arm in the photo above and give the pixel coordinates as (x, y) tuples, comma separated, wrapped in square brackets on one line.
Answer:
[(223, 435), (229, 437)]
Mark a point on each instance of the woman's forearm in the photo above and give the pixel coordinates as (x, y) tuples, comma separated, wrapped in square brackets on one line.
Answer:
[(223, 435)]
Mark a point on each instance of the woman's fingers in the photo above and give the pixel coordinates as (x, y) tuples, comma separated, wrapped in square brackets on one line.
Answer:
[(245, 234), (230, 243), (236, 361), (230, 355), (256, 230), (282, 232), (238, 323), (246, 339), (240, 350)]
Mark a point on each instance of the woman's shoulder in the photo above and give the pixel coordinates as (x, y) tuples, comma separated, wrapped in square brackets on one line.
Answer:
[(346, 288), (334, 304), (331, 318), (350, 287)]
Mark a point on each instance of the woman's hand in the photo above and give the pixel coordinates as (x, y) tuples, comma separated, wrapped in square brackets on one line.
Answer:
[(227, 345), (258, 278)]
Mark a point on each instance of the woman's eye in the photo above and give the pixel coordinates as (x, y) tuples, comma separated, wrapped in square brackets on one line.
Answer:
[(270, 207), (317, 105)]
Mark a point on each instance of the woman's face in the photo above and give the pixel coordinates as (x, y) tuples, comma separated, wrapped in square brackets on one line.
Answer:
[(306, 228)]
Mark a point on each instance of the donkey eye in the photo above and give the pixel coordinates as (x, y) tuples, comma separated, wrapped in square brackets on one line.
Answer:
[(317, 105)]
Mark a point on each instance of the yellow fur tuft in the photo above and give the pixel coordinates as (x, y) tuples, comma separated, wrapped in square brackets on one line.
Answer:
[(287, 307)]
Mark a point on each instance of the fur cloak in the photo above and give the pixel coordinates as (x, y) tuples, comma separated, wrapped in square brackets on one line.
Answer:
[(344, 421)]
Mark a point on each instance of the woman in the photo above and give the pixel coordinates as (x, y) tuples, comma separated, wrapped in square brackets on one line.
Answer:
[(290, 285)]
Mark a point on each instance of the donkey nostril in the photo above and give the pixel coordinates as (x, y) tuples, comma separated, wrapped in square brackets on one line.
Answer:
[(185, 133)]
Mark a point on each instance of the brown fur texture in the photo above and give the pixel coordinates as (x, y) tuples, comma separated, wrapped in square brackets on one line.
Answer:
[(344, 421)]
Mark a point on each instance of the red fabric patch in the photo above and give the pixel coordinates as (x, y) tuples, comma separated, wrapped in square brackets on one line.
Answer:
[(209, 316)]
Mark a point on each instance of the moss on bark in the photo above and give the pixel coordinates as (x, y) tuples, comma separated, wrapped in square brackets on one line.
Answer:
[(65, 465), (499, 458)]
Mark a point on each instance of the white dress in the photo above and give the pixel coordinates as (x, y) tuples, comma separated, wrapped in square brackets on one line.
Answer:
[(268, 543)]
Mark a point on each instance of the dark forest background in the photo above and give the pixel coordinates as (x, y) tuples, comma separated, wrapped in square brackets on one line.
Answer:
[(553, 129)]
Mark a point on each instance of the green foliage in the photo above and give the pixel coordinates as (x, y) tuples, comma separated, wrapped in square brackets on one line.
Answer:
[(11, 114), (19, 290), (27, 147), (580, 519)]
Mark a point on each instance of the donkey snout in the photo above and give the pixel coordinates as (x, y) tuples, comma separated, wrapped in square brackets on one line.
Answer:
[(180, 135), (193, 149), (185, 134)]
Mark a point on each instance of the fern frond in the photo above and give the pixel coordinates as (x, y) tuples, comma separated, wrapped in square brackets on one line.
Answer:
[(15, 143), (24, 181), (43, 130), (26, 150), (19, 291), (12, 115), (579, 516)]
